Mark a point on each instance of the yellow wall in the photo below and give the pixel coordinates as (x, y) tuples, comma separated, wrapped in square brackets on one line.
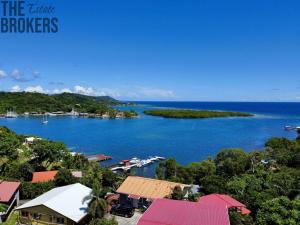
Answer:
[(44, 219)]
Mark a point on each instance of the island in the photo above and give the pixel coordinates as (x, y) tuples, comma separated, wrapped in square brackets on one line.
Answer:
[(64, 104), (193, 114)]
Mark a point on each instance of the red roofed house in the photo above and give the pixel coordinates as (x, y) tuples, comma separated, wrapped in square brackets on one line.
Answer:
[(9, 196), (224, 200), (174, 212), (46, 176)]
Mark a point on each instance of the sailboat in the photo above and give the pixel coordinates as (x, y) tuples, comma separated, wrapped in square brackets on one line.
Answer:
[(11, 114), (45, 121)]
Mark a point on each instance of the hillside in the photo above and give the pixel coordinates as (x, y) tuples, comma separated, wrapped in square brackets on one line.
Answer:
[(36, 102)]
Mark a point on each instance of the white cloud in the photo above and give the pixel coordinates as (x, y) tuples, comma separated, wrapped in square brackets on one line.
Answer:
[(19, 76), (36, 73), (37, 88), (16, 74), (16, 88), (108, 92), (2, 73), (64, 90), (83, 90), (154, 93)]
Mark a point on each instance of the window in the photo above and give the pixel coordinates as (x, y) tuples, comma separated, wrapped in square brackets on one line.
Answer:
[(24, 214), (36, 216), (60, 220)]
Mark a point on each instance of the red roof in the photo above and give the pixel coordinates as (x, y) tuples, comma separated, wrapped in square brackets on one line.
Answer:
[(7, 190), (225, 201), (43, 176), (173, 212), (46, 176)]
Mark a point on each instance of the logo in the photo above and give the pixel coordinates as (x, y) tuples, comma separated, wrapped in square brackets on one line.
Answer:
[(20, 16)]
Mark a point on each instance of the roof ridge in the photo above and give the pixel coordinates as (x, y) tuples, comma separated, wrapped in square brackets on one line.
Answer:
[(220, 196), (165, 181)]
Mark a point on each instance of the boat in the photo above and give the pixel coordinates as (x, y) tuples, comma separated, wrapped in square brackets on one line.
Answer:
[(134, 160), (288, 127), (45, 121), (11, 114)]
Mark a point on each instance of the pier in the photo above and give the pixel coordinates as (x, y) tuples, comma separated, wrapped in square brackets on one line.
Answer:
[(98, 157), (126, 165)]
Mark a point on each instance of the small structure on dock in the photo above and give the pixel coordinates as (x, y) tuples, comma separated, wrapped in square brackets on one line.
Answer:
[(98, 157)]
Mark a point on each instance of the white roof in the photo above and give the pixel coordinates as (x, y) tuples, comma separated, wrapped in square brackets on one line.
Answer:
[(67, 201)]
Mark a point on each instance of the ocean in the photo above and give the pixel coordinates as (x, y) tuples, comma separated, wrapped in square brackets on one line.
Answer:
[(187, 140)]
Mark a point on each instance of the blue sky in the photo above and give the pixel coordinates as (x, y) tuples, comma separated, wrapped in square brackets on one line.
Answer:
[(206, 50)]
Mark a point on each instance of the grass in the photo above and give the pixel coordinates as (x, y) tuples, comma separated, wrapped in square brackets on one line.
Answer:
[(193, 114), (12, 219)]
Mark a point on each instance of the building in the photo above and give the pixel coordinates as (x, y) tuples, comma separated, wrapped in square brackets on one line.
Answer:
[(45, 176), (174, 212), (30, 140), (137, 191), (63, 205), (225, 201), (9, 196)]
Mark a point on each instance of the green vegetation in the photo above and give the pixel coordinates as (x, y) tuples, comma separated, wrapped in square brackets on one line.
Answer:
[(40, 103), (104, 221), (3, 208), (18, 161), (12, 220), (130, 114), (193, 114), (267, 181)]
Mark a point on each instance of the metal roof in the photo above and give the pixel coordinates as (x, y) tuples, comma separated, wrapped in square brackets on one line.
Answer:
[(46, 176), (225, 201), (148, 188), (173, 212), (7, 190), (67, 201)]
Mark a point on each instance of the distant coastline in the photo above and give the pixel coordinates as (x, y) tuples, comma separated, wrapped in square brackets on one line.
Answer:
[(193, 114), (17, 104)]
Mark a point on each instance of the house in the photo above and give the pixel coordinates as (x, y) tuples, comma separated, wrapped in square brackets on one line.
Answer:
[(225, 201), (45, 176), (63, 205), (9, 196), (174, 212), (137, 191), (30, 140)]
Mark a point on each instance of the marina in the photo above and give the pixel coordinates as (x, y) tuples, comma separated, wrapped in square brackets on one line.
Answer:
[(126, 165)]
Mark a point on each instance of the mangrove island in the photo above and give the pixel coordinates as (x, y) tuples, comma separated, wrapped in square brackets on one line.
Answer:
[(193, 114)]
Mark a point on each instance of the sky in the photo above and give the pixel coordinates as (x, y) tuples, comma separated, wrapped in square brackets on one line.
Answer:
[(205, 50)]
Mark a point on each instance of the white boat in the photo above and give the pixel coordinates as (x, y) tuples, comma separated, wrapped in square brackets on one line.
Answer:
[(11, 114), (134, 160), (160, 158), (45, 121)]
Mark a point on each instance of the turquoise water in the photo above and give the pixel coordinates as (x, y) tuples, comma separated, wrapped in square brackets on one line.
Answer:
[(185, 139)]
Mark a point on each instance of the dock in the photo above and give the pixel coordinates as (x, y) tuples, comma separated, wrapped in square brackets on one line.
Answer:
[(288, 127), (126, 165), (98, 157)]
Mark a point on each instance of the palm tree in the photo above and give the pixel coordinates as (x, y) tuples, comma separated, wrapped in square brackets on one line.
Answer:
[(97, 206)]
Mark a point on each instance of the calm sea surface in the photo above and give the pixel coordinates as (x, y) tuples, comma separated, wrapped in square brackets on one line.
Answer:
[(187, 140)]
